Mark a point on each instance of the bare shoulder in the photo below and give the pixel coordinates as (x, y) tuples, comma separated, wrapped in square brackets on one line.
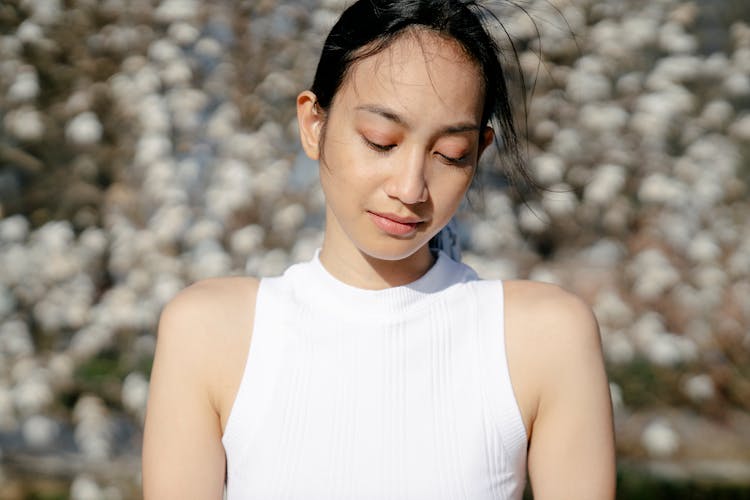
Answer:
[(549, 312), (207, 328), (209, 313), (211, 298), (209, 308), (549, 331), (549, 325)]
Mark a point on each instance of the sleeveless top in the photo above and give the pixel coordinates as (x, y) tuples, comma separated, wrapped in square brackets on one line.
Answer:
[(398, 394)]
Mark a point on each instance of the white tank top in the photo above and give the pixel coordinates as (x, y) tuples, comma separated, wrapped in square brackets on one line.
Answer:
[(396, 394)]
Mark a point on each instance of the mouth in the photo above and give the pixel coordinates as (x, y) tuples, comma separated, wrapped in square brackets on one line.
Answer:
[(395, 225)]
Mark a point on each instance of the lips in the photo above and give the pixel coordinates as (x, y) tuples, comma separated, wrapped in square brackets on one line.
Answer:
[(394, 224)]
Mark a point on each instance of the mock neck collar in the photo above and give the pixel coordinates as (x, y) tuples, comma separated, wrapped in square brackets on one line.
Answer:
[(315, 285)]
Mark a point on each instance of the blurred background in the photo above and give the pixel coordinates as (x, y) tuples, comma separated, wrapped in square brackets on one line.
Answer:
[(146, 144)]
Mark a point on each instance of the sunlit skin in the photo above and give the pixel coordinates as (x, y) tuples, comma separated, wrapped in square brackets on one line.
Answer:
[(402, 140)]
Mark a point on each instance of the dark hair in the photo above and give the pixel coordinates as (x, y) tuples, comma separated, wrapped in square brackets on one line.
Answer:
[(368, 27)]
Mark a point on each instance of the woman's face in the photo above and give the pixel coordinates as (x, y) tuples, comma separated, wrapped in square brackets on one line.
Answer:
[(402, 140)]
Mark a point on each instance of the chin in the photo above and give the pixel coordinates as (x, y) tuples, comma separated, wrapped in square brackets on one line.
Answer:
[(393, 250)]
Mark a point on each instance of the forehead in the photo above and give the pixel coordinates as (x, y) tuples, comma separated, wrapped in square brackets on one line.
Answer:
[(417, 72)]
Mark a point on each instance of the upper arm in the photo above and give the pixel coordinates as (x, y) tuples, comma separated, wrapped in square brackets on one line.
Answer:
[(183, 457), (571, 451)]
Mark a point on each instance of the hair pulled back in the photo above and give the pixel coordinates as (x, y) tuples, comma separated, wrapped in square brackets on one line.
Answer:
[(368, 27)]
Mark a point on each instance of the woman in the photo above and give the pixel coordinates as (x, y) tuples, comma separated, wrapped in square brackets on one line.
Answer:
[(383, 368)]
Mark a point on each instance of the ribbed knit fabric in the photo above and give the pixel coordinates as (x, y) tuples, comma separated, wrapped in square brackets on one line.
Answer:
[(398, 394)]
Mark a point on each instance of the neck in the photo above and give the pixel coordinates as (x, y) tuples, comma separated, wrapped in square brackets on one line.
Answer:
[(361, 270)]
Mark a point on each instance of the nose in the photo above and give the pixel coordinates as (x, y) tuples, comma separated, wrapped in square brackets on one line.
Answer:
[(407, 181)]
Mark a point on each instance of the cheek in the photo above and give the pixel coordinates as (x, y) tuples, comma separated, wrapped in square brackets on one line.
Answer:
[(449, 191), (346, 161), (345, 176), (456, 178)]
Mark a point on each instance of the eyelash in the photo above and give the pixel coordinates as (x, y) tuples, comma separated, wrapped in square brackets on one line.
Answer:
[(384, 149), (454, 161), (378, 148)]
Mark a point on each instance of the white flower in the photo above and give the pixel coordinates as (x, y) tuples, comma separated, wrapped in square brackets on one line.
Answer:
[(247, 240), (85, 488), (94, 431), (40, 431), (737, 84), (15, 338), (668, 349), (717, 113), (672, 38), (704, 248), (183, 33), (588, 87), (202, 230), (46, 12), (24, 123), (699, 388), (176, 73), (208, 260), (659, 439), (601, 118), (163, 51), (32, 395), (607, 183), (611, 310), (170, 11), (25, 87), (135, 393), (288, 220), (740, 129), (560, 200), (618, 348), (662, 190), (548, 169), (14, 229), (533, 218), (85, 129), (29, 32)]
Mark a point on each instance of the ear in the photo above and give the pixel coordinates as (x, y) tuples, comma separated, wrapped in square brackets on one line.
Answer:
[(487, 135), (310, 119)]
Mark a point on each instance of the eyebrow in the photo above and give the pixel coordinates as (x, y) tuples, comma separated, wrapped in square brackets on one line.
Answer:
[(394, 117)]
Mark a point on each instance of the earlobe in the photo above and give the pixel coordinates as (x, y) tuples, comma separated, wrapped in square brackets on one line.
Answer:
[(310, 120)]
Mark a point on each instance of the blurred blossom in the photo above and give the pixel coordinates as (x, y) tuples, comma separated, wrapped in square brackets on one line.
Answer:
[(548, 169), (93, 428), (25, 124), (25, 87), (247, 240), (135, 393), (40, 431), (170, 11), (533, 218), (15, 338), (85, 488), (148, 145), (699, 388), (85, 129), (607, 182), (660, 440), (740, 129)]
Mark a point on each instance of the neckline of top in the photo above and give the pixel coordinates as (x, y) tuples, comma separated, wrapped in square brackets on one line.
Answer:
[(318, 287)]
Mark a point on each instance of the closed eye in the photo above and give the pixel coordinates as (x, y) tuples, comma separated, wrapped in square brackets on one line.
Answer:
[(380, 148), (454, 161)]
